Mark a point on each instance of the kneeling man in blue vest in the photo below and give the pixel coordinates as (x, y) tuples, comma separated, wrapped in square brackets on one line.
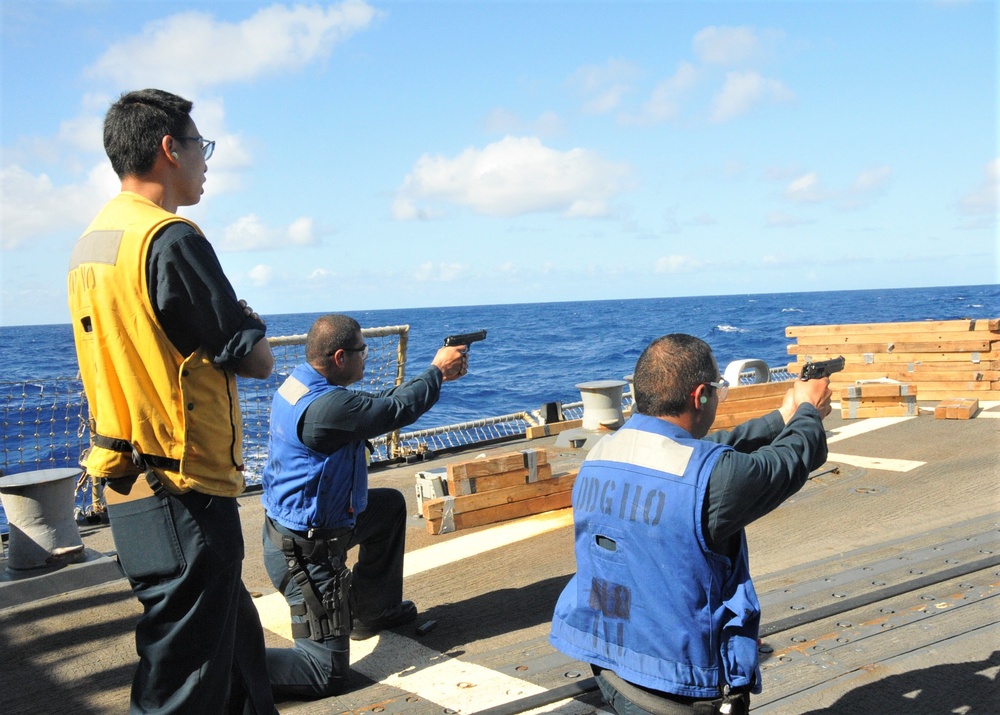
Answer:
[(318, 505), (662, 605)]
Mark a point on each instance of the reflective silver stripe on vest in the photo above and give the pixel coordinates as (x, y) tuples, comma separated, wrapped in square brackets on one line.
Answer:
[(643, 449), (97, 247)]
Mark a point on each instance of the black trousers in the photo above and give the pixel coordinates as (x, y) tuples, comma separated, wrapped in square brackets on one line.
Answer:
[(319, 669), (199, 639)]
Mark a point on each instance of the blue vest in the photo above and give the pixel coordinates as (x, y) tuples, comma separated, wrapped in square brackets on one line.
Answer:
[(650, 601), (303, 488)]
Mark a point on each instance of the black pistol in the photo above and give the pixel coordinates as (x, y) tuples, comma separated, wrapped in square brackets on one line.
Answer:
[(464, 339), (821, 368)]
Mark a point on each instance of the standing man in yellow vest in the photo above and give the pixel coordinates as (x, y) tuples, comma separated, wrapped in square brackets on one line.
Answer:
[(160, 338)]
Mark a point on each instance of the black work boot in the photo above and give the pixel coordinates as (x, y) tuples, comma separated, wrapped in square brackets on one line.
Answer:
[(405, 612)]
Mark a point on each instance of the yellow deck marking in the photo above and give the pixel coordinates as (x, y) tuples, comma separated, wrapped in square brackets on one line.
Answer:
[(404, 663), (274, 611), (463, 547), (889, 465), (862, 426)]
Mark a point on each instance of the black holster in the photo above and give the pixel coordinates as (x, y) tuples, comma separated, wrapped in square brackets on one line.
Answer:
[(328, 615)]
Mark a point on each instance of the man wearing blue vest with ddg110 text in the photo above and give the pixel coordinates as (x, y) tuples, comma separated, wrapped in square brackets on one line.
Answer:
[(662, 605)]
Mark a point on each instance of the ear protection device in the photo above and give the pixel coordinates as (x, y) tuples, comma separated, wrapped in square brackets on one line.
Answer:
[(174, 154), (703, 399)]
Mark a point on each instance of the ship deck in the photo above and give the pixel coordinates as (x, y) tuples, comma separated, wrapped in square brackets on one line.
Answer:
[(879, 582)]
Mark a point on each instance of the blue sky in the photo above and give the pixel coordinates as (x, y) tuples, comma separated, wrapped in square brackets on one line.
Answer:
[(411, 154)]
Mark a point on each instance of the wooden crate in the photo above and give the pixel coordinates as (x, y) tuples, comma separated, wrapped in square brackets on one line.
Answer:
[(506, 486), (504, 470), (463, 512), (949, 358), (880, 399)]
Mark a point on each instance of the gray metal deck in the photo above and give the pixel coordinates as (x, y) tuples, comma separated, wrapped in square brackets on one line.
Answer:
[(879, 582)]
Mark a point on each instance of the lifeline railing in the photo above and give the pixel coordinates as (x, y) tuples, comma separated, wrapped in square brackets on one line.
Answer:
[(45, 421)]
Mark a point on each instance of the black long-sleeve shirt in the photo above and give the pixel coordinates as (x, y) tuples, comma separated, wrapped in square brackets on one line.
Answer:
[(770, 461), (194, 301), (344, 416)]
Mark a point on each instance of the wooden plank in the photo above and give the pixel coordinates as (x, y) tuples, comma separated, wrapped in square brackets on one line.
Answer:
[(763, 403), (895, 337), (958, 385), (861, 409), (958, 326), (505, 512), (897, 358), (963, 374), (935, 395), (726, 422), (958, 346), (878, 389), (433, 508), (956, 408), (755, 392), (498, 464), (553, 428), (461, 486)]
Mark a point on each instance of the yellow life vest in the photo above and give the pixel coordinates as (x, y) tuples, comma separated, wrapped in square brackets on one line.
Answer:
[(181, 412)]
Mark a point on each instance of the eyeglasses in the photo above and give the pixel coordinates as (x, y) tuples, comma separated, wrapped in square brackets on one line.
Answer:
[(363, 350), (207, 145), (722, 386)]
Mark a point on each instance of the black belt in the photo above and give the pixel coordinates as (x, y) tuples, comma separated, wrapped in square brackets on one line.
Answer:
[(124, 447), (663, 703)]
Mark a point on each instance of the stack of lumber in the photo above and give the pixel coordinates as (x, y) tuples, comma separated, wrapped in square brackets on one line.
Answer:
[(878, 399), (748, 401), (503, 487), (941, 359), (956, 408)]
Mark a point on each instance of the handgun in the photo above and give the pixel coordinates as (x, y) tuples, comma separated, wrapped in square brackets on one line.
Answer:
[(464, 338), (821, 368)]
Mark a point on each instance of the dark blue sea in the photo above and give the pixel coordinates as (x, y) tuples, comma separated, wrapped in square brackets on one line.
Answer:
[(537, 352)]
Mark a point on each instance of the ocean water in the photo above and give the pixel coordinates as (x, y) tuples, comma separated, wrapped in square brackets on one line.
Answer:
[(537, 352)]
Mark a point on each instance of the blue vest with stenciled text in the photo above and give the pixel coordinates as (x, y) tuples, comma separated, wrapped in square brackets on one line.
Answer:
[(650, 601), (305, 489)]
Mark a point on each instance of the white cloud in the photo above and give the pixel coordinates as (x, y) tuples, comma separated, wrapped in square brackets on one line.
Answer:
[(514, 176), (192, 50), (404, 209), (33, 206), (678, 264), (984, 200), (806, 189), (869, 184), (664, 103), (321, 275), (745, 89), (726, 46), (248, 233), (261, 275), (603, 86), (430, 272)]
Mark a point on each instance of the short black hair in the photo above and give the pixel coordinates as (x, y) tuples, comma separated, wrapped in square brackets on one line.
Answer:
[(668, 371), (328, 334), (136, 124)]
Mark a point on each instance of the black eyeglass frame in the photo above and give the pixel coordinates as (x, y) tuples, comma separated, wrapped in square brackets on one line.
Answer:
[(207, 145)]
